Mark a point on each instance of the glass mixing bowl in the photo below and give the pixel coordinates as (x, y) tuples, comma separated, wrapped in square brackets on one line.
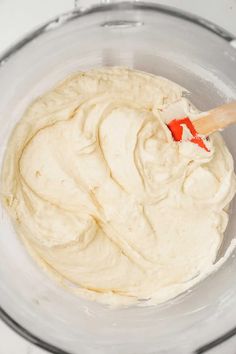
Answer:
[(190, 51)]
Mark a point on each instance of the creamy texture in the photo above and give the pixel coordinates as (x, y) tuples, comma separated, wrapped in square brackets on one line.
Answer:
[(105, 199)]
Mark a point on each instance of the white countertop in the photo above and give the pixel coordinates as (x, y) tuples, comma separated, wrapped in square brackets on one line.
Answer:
[(17, 17)]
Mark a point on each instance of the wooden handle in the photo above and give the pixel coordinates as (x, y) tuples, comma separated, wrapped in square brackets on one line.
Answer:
[(216, 119)]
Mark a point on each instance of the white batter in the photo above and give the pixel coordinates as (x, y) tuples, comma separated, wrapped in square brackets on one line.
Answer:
[(103, 196)]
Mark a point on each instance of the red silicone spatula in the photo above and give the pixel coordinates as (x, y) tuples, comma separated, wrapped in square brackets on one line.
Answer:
[(207, 123)]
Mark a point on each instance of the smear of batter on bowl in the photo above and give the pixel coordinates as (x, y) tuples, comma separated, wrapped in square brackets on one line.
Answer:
[(105, 199)]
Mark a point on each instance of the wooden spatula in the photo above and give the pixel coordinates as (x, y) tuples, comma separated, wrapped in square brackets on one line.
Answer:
[(207, 123)]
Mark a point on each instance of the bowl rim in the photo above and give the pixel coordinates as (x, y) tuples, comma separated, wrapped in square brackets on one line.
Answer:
[(59, 21)]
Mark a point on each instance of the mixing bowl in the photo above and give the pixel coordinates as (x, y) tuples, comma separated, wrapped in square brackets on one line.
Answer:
[(190, 51)]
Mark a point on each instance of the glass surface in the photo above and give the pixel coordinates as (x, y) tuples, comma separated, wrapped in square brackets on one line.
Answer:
[(146, 38)]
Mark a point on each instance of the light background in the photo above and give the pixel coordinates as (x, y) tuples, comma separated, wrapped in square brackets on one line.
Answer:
[(17, 17)]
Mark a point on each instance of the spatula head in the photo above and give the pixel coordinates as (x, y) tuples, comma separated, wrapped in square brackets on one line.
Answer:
[(177, 126)]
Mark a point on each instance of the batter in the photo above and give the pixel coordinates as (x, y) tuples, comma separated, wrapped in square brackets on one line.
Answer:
[(105, 199)]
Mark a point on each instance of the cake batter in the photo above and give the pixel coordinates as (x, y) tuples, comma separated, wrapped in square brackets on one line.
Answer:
[(105, 199)]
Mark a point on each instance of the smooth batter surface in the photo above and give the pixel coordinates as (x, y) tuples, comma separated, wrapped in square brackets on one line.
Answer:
[(103, 196)]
